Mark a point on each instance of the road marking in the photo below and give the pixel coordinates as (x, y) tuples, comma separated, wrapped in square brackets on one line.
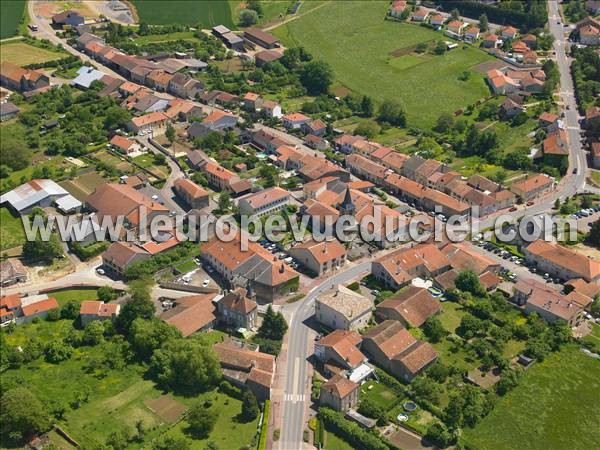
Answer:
[(296, 374)]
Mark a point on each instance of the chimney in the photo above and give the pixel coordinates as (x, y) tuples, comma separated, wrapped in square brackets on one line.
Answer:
[(282, 268)]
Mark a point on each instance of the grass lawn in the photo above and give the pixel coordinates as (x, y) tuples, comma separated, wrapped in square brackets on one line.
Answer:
[(358, 43), (596, 176), (229, 432), (554, 406), (334, 442), (378, 394), (79, 295), (151, 38), (452, 313), (22, 54), (187, 266), (593, 339), (11, 230), (11, 13), (205, 14)]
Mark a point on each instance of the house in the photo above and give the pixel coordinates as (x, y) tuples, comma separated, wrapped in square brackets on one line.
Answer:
[(70, 17), (472, 33), (146, 102), (532, 187), (252, 101), (530, 40), (22, 80), (592, 119), (365, 168), (248, 368), (339, 393), (90, 310), (271, 109), (509, 109), (295, 121), (548, 303), (154, 124), (394, 349), (554, 148), (12, 271), (113, 200), (319, 257), (124, 144), (437, 20), (500, 83), (253, 268), (24, 309), (184, 86), (316, 142), (159, 80), (8, 110), (504, 198), (490, 40), (218, 176), (394, 161), (265, 57), (509, 32), (344, 143), (261, 38), (399, 268), (264, 203), (590, 290), (595, 153), (235, 309), (549, 122), (483, 184), (192, 195), (455, 28), (86, 76), (589, 35), (10, 307), (316, 128), (120, 255), (428, 168), (464, 256), (343, 309), (562, 262), (412, 306), (191, 314), (410, 166), (183, 110), (215, 121), (35, 193), (338, 351), (397, 8), (421, 14)]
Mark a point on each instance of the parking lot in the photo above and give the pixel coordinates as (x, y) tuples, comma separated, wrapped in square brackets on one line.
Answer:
[(280, 253)]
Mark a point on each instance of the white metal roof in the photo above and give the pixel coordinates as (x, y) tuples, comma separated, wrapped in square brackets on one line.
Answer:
[(67, 203), (32, 192)]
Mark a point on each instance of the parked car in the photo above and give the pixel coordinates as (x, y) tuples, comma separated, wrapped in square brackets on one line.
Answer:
[(205, 283), (100, 271)]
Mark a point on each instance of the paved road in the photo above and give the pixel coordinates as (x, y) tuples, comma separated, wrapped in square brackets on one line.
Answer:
[(45, 31), (297, 386)]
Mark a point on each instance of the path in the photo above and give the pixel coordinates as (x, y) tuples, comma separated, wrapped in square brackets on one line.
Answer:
[(294, 17)]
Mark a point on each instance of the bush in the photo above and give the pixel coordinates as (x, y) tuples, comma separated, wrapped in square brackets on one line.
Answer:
[(262, 443), (351, 431)]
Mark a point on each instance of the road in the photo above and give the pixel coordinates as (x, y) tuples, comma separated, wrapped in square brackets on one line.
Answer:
[(297, 383), (45, 31)]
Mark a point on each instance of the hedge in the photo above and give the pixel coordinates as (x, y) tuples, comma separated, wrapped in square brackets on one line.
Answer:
[(262, 442), (350, 431), (89, 251)]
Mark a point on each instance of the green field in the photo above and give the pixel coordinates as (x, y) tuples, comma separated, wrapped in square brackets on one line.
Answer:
[(205, 14), (11, 230), (22, 54), (356, 40), (555, 406), (79, 295), (11, 12)]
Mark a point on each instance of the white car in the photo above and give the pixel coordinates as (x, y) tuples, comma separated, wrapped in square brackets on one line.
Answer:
[(205, 283), (100, 271)]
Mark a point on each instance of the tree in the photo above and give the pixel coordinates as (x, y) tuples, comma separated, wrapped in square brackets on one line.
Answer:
[(367, 107), (186, 364), (421, 47), (171, 443), (508, 381), (70, 310), (483, 23), (22, 414), (137, 307), (116, 117), (93, 333), (106, 294), (316, 77), (146, 336), (224, 201), (468, 281), (274, 325), (143, 29), (170, 133), (248, 17), (58, 351), (434, 329), (250, 409), (15, 154), (557, 204), (371, 409), (438, 433), (593, 236), (201, 419), (455, 14), (444, 123), (471, 326), (255, 5), (440, 48), (368, 129), (43, 250), (393, 113)]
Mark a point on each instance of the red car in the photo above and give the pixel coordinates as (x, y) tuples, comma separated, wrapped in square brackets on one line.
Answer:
[(514, 208), (529, 203)]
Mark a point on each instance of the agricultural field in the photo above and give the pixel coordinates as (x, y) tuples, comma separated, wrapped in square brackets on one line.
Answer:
[(11, 230), (550, 406), (205, 14), (82, 186), (22, 54), (376, 57), (11, 12)]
